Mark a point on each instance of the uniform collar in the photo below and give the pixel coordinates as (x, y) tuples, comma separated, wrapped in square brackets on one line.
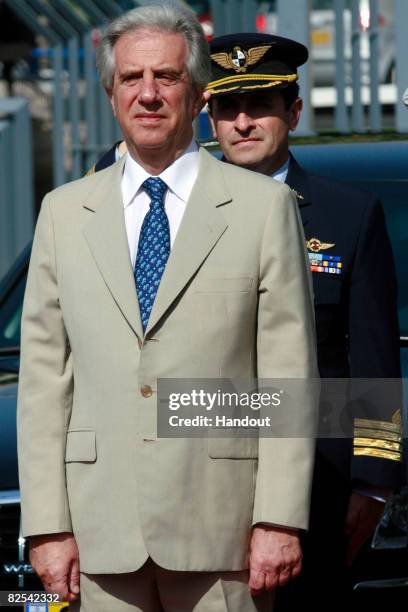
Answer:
[(297, 179)]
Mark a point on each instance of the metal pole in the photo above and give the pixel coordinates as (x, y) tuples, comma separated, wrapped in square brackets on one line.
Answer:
[(90, 101), (74, 106), (357, 118), (340, 111), (218, 11), (375, 109), (91, 10), (232, 16), (21, 156), (299, 29), (109, 7), (401, 38), (58, 123), (71, 16), (249, 15)]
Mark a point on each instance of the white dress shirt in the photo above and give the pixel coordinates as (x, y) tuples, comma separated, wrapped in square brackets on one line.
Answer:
[(281, 173), (179, 177)]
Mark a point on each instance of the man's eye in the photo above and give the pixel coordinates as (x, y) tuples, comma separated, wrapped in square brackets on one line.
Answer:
[(131, 79), (166, 78), (226, 108)]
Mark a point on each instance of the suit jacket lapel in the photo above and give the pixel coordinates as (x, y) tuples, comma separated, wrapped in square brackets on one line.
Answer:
[(201, 227), (105, 233)]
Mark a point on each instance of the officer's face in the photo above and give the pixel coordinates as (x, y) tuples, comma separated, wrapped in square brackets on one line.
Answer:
[(152, 96), (253, 129)]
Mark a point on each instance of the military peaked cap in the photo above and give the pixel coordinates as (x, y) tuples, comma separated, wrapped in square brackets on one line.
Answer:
[(249, 61)]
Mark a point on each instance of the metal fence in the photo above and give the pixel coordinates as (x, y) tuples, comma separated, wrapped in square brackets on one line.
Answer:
[(83, 122)]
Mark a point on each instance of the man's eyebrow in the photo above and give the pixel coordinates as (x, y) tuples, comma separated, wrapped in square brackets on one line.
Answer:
[(170, 69), (129, 72), (165, 68)]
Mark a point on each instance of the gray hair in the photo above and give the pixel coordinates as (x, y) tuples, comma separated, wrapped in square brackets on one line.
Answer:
[(167, 17)]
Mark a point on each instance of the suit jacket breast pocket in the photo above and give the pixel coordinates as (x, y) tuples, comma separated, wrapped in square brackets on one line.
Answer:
[(81, 446), (223, 285)]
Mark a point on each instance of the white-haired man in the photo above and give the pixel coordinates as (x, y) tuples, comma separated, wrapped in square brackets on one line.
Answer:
[(155, 269)]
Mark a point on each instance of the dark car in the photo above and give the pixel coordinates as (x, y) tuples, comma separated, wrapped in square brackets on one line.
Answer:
[(377, 167)]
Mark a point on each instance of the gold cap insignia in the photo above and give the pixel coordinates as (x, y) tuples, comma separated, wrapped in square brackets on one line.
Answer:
[(239, 59), (315, 245)]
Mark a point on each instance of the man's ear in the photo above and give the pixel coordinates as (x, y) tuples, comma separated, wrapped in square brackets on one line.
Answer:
[(201, 99), (294, 113), (206, 96)]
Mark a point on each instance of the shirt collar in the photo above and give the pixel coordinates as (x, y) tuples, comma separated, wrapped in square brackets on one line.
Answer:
[(281, 173), (180, 176)]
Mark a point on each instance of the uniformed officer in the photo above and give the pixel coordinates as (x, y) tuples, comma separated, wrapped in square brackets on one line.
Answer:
[(254, 105)]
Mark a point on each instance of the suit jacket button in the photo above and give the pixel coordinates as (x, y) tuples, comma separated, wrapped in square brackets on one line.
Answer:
[(146, 391)]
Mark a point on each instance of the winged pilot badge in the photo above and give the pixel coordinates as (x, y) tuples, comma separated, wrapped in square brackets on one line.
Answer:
[(239, 59), (315, 245)]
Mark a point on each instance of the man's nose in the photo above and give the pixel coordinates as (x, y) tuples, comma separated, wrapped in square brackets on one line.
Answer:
[(243, 121), (149, 90)]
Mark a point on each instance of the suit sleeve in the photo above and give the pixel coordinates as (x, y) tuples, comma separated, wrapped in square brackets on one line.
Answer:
[(45, 392), (374, 354), (286, 350)]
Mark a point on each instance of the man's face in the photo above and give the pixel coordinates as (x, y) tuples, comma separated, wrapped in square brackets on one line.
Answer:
[(253, 128), (152, 97)]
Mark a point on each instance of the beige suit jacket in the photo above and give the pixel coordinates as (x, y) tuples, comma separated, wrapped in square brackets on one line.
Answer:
[(234, 301)]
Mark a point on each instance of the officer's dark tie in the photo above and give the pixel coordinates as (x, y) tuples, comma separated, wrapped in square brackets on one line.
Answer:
[(153, 249)]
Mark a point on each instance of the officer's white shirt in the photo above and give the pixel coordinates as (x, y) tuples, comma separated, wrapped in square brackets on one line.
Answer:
[(179, 177), (281, 173)]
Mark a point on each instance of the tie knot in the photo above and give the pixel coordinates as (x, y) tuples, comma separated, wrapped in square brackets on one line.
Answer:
[(155, 188)]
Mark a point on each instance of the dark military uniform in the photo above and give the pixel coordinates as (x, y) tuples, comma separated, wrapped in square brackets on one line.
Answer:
[(357, 329), (358, 337)]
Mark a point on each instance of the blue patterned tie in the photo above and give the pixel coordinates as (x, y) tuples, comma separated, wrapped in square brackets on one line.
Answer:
[(153, 249)]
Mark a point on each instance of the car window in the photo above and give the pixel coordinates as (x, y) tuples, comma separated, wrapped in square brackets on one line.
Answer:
[(10, 313)]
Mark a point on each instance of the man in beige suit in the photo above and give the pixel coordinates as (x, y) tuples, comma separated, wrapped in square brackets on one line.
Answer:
[(149, 523)]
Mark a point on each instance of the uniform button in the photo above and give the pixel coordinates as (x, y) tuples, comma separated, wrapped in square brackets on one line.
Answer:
[(140, 343), (146, 391)]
